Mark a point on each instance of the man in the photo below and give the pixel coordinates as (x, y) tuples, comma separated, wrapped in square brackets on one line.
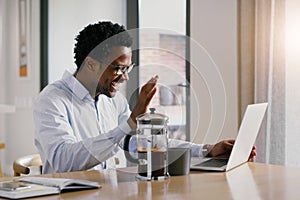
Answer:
[(81, 119)]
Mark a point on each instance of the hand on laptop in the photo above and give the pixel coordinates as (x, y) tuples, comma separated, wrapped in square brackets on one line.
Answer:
[(224, 147), (252, 154), (221, 149)]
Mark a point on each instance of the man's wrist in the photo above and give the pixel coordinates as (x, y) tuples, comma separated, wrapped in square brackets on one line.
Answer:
[(206, 149), (131, 123)]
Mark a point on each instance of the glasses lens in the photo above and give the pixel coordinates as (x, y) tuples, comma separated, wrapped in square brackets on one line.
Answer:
[(124, 69), (119, 71), (130, 68)]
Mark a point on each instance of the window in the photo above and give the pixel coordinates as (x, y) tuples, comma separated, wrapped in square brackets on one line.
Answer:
[(162, 51)]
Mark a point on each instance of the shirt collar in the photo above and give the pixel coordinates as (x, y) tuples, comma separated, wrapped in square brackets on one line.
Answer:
[(75, 86)]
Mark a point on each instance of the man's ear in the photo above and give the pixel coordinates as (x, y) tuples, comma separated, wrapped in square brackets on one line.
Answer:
[(90, 63)]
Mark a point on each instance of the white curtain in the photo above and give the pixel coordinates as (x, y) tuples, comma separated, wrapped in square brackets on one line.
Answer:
[(262, 64), (270, 78)]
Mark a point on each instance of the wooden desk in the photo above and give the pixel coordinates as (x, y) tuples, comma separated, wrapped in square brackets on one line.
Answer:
[(249, 181)]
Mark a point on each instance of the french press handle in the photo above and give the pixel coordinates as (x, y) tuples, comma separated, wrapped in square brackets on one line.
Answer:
[(128, 156)]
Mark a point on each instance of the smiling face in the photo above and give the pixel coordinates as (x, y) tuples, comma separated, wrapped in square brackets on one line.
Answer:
[(109, 81)]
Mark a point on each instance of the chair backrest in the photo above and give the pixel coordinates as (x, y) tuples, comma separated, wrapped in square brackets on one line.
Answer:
[(22, 165), (2, 146)]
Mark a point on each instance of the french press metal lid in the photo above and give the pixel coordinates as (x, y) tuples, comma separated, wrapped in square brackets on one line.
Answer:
[(152, 118)]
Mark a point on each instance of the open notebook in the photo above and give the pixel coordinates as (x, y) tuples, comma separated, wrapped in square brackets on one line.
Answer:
[(243, 145), (40, 186)]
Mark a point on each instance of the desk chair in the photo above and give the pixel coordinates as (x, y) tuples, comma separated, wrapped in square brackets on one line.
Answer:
[(22, 165), (2, 146)]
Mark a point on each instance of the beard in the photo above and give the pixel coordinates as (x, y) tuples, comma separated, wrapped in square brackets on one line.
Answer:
[(110, 89)]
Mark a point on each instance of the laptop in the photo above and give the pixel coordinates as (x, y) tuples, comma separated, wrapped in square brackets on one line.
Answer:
[(243, 144)]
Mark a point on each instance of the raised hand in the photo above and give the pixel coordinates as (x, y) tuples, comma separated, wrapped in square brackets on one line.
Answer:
[(146, 95)]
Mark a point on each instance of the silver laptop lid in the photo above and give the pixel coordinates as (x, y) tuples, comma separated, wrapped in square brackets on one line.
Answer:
[(247, 134)]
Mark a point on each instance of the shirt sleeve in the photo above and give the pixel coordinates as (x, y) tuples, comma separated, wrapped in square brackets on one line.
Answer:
[(64, 151), (196, 149)]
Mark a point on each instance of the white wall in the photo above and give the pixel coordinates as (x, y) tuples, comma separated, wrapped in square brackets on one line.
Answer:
[(292, 82), (67, 18), (2, 75), (214, 114), (19, 130)]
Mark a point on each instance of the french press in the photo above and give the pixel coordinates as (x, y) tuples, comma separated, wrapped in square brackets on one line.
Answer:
[(152, 146)]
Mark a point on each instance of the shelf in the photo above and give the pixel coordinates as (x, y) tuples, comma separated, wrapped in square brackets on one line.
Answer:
[(7, 108)]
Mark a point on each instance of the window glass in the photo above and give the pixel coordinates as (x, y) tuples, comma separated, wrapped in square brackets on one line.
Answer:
[(162, 52)]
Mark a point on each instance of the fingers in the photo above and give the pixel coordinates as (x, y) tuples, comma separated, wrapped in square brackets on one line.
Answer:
[(149, 89), (228, 144), (252, 154), (146, 95), (150, 85), (153, 79), (151, 94), (224, 148), (230, 141)]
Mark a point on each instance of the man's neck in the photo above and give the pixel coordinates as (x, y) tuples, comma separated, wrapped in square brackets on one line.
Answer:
[(87, 84)]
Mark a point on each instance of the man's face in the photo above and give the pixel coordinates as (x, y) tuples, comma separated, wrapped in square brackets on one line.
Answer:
[(109, 81)]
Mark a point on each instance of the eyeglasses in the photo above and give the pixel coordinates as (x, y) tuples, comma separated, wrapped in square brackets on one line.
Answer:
[(121, 69)]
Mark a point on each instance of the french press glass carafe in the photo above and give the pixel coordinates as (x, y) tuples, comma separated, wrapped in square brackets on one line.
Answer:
[(152, 145)]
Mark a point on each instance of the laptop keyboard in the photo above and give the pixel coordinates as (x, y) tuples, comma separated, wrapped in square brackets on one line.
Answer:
[(214, 162)]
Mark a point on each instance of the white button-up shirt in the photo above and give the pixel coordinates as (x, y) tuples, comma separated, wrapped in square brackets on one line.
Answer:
[(74, 132)]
